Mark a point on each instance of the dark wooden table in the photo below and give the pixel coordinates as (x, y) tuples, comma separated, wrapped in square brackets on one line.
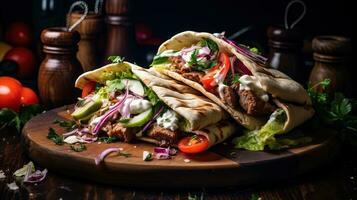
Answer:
[(337, 180)]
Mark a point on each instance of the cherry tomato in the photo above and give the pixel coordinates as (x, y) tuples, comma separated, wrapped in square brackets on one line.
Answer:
[(195, 144), (208, 81), (142, 32), (88, 88), (10, 93), (18, 34), (28, 97), (24, 58)]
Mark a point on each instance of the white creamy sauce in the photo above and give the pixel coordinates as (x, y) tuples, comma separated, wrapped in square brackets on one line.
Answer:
[(139, 105), (221, 87), (186, 54), (168, 120), (252, 83), (169, 53)]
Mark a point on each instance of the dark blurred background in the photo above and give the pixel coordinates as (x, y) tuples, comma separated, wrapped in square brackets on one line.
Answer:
[(169, 17), (166, 18)]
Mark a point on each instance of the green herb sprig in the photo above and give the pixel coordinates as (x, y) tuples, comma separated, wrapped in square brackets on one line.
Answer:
[(109, 139), (334, 109), (116, 59), (78, 147), (9, 118), (69, 125), (52, 135)]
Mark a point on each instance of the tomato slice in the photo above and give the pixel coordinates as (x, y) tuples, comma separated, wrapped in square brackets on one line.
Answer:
[(208, 81), (88, 88), (194, 144)]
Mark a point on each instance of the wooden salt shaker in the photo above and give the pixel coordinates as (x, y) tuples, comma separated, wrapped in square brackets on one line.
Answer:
[(332, 56), (120, 40), (89, 29), (60, 67)]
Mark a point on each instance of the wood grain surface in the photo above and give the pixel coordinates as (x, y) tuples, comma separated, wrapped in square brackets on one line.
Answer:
[(221, 166), (335, 180)]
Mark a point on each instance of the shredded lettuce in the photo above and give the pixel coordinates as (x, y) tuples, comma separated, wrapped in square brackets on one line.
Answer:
[(153, 98), (22, 171), (256, 140), (158, 60), (115, 85), (119, 75)]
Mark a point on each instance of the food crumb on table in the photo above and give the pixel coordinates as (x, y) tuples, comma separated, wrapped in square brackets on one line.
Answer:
[(2, 174), (187, 160), (13, 186)]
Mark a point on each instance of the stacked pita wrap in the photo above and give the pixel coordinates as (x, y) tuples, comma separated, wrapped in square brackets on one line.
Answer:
[(282, 91), (199, 114)]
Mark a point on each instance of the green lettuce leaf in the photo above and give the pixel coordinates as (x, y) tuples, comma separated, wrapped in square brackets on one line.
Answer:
[(22, 171), (257, 140)]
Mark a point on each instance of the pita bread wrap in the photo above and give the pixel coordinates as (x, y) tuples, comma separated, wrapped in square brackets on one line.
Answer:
[(198, 110), (286, 93)]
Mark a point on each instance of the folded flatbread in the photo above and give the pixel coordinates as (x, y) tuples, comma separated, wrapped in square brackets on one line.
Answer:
[(285, 92), (198, 111)]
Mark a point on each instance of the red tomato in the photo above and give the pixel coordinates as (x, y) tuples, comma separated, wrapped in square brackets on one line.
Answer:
[(28, 97), (88, 88), (10, 93), (142, 32), (24, 58), (195, 144), (208, 81), (18, 34)]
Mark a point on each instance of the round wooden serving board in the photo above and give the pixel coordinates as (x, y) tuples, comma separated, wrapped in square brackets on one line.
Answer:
[(221, 166)]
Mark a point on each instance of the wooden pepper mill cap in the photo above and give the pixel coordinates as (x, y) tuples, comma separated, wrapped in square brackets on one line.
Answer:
[(59, 36), (279, 37), (332, 45)]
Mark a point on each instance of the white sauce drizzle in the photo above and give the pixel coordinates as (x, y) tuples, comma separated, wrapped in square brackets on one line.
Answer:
[(168, 120), (252, 83)]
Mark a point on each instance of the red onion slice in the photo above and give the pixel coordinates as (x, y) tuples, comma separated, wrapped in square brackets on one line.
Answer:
[(109, 113), (35, 177), (105, 153), (153, 119), (162, 156), (246, 52)]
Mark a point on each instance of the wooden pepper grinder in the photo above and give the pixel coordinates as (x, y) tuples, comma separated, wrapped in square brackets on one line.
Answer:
[(285, 47), (120, 40), (332, 56), (60, 67), (285, 51), (89, 28)]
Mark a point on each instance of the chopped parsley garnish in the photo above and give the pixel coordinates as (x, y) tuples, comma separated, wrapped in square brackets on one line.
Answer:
[(78, 147), (235, 78), (109, 139), (116, 59), (69, 125), (210, 43), (52, 135)]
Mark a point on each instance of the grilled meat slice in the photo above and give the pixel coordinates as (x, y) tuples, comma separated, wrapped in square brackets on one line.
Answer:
[(124, 134), (177, 64), (253, 105), (230, 97), (194, 76), (165, 136)]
